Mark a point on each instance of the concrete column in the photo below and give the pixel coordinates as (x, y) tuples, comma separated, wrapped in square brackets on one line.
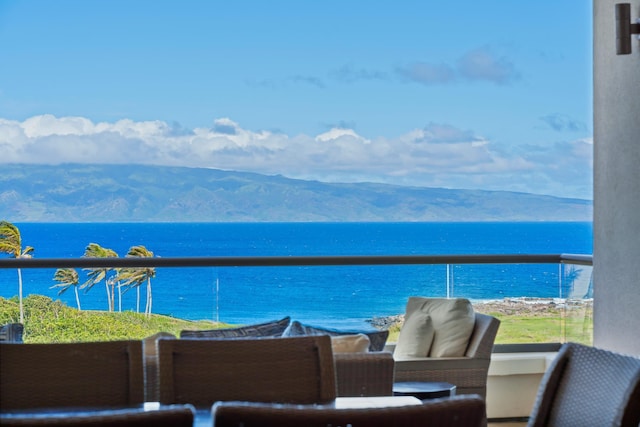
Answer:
[(616, 251)]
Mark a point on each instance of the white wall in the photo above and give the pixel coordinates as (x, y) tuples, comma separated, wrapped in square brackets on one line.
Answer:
[(616, 251)]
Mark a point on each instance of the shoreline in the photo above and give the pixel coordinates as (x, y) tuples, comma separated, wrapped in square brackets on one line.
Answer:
[(507, 307)]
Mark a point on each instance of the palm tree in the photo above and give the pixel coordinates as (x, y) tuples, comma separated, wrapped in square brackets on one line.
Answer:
[(96, 275), (66, 278), (11, 243), (136, 276)]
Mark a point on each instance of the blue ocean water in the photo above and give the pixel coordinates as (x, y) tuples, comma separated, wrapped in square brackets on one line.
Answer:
[(339, 296)]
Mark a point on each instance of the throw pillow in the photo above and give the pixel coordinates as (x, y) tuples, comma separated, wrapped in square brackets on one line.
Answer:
[(358, 343), (416, 336), (268, 329), (377, 338), (453, 321)]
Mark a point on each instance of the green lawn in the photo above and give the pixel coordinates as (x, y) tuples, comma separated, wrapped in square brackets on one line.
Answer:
[(560, 325), (538, 327)]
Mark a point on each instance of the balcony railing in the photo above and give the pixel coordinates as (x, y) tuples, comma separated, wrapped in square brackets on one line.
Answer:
[(566, 277), (288, 261)]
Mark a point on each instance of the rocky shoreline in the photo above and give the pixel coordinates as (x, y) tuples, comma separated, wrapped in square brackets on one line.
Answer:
[(524, 306)]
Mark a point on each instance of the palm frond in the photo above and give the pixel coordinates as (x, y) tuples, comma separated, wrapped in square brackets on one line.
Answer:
[(139, 251), (94, 250), (136, 275), (98, 274), (66, 278), (10, 241), (94, 275), (27, 251)]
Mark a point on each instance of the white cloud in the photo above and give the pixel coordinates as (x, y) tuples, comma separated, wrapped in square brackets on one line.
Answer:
[(350, 74), (47, 124), (436, 155), (484, 64), (481, 64), (341, 133), (428, 73), (563, 123)]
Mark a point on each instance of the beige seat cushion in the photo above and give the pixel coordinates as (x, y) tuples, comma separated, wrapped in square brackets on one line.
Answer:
[(358, 343), (416, 336), (452, 321)]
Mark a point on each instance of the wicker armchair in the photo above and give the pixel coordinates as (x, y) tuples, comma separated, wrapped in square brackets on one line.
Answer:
[(468, 373), (467, 411), (11, 332), (150, 363), (587, 386), (203, 371), (71, 375), (172, 416), (357, 374)]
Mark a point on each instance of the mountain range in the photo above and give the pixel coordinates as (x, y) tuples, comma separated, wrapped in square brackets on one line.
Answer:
[(143, 193)]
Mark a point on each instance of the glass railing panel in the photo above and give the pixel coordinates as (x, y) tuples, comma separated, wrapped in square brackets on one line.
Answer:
[(536, 302), (330, 296), (578, 309), (525, 297)]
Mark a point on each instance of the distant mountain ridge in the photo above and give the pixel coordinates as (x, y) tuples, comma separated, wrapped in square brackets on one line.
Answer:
[(141, 193)]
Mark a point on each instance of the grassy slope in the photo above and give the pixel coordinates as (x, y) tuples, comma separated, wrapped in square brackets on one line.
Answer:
[(53, 321)]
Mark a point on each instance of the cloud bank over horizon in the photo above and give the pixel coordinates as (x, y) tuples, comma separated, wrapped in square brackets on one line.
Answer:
[(436, 155)]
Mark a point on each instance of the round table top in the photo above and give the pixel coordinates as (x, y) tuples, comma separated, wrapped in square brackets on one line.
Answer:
[(424, 389)]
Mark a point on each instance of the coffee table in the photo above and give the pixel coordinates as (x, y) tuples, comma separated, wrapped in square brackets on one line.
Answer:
[(423, 389)]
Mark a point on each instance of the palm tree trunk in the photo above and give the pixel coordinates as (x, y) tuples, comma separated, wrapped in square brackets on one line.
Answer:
[(20, 296), (119, 297), (106, 285), (149, 298), (138, 299), (113, 295), (75, 288)]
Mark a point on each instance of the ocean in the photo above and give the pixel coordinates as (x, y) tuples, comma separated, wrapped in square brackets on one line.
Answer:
[(333, 296)]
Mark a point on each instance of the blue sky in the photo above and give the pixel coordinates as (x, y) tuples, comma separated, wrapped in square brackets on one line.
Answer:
[(493, 95)]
